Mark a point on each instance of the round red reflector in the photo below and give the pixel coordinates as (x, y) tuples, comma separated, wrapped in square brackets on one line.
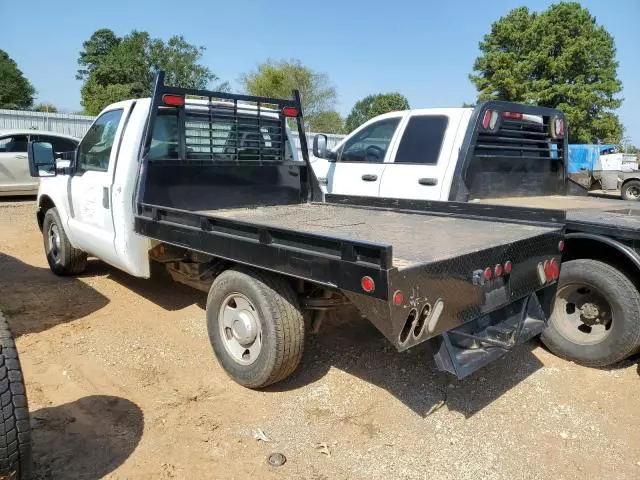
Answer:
[(486, 119), (398, 298), (555, 269), (561, 245), (487, 273), (368, 285), (548, 270), (290, 111), (497, 270), (507, 267)]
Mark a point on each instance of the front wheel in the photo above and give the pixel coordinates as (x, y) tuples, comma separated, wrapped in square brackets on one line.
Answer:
[(596, 316), (631, 190), (255, 326), (62, 257)]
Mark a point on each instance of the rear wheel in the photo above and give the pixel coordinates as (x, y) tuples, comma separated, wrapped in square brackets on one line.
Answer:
[(631, 190), (15, 431), (596, 317), (255, 326), (63, 258)]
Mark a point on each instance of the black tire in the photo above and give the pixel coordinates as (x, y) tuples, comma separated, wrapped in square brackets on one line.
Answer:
[(631, 190), (281, 322), (607, 284), (15, 430), (63, 259)]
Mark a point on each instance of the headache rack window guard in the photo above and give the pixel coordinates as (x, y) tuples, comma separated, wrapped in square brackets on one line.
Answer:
[(214, 128)]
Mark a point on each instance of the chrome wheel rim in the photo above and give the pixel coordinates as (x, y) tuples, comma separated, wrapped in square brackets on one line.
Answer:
[(54, 241), (240, 329), (583, 313), (633, 192)]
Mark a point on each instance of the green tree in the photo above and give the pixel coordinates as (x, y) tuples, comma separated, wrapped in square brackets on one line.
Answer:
[(15, 89), (558, 58), (327, 122), (374, 105), (45, 107), (278, 79), (115, 69)]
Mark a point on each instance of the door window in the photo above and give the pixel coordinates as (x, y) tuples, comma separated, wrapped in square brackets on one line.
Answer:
[(370, 144), (60, 145), (14, 144), (422, 140), (95, 149)]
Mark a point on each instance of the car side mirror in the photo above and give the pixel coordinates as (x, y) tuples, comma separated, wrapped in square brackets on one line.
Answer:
[(320, 145), (42, 159)]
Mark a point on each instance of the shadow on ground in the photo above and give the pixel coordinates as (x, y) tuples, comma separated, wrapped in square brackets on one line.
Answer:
[(160, 289), (353, 345), (86, 439), (34, 299)]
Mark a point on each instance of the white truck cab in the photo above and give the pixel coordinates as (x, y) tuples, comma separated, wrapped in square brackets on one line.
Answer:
[(411, 154)]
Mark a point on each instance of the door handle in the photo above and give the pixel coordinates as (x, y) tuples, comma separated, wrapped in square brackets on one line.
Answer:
[(368, 177), (323, 181), (105, 197), (21, 156), (428, 182)]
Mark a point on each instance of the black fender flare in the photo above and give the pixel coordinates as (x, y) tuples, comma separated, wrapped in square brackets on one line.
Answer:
[(627, 251)]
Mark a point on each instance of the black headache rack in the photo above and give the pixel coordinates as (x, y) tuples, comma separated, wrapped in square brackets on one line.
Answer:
[(512, 150)]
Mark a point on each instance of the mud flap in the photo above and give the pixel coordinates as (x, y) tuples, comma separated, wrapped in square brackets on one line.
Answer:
[(465, 349)]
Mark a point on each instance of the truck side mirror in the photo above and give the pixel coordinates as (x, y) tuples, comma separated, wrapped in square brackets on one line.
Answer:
[(320, 145), (42, 159)]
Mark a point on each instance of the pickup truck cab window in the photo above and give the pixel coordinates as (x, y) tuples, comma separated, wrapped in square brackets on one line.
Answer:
[(95, 149), (422, 139), (371, 144)]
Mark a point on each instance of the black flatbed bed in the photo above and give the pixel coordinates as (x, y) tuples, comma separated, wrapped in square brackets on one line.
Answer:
[(619, 218), (416, 237)]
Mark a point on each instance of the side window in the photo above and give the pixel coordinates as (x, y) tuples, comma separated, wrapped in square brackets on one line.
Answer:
[(60, 145), (14, 144), (370, 145), (422, 139), (95, 148)]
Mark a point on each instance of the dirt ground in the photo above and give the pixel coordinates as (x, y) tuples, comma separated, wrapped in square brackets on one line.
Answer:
[(122, 384)]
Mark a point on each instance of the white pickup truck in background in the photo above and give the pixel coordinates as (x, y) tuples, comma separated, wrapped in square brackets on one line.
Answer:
[(500, 152)]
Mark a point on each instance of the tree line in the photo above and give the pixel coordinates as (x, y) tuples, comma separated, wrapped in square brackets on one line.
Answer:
[(558, 58)]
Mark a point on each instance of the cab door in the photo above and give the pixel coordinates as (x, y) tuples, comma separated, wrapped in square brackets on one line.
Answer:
[(14, 166), (91, 226), (361, 159), (421, 161)]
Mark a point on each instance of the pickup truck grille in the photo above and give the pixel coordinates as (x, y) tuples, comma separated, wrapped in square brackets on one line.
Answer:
[(518, 139)]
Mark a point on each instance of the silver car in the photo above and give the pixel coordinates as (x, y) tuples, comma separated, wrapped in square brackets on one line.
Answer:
[(14, 168)]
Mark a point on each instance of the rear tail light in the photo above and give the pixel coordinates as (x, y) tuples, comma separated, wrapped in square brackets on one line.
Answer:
[(398, 298), (549, 270), (490, 120), (512, 115), (487, 273), (561, 245), (507, 267), (555, 269), (497, 270), (557, 127), (368, 285)]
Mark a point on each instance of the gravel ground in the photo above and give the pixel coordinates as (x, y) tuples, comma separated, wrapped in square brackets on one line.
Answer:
[(122, 384)]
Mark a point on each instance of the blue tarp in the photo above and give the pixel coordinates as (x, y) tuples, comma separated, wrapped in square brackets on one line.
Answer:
[(584, 157)]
